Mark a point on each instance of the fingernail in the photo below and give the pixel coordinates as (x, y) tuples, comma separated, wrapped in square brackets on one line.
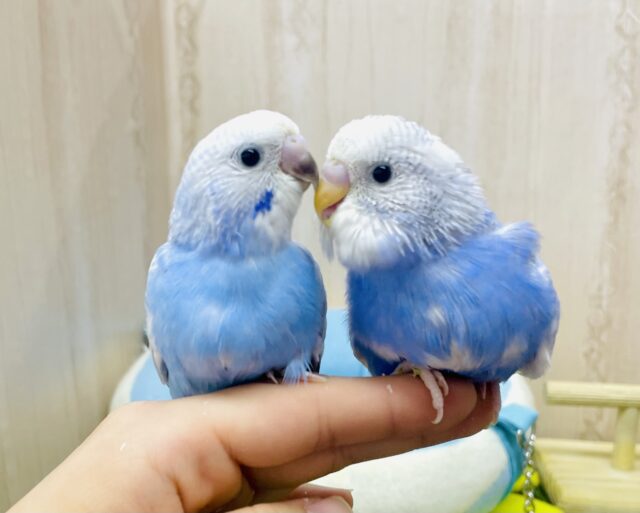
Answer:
[(328, 505)]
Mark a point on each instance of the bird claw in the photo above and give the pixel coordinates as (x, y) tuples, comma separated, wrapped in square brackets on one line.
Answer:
[(405, 367), (307, 377), (435, 383), (442, 382), (311, 377), (482, 389)]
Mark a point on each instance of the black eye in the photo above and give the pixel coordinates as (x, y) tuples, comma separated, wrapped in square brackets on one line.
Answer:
[(381, 173), (250, 157)]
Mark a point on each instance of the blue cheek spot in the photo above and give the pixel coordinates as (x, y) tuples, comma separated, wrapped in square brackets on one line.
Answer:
[(264, 205)]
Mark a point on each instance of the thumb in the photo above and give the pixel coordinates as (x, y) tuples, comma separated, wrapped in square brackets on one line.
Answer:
[(310, 505)]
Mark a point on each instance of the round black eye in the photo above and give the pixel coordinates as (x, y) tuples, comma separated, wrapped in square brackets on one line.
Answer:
[(381, 173), (250, 157)]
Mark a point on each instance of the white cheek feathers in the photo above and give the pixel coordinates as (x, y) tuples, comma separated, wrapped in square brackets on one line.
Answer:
[(361, 241), (409, 194)]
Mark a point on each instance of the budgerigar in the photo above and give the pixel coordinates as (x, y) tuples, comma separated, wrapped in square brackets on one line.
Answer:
[(229, 297), (435, 281)]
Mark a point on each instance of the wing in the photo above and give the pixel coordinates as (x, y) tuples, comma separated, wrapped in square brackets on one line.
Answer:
[(317, 354), (161, 367), (322, 332)]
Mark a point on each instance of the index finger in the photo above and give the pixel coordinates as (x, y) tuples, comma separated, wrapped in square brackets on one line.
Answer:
[(264, 425)]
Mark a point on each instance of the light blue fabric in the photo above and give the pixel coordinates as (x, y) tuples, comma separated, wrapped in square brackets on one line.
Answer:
[(338, 359), (146, 385), (494, 494), (514, 418)]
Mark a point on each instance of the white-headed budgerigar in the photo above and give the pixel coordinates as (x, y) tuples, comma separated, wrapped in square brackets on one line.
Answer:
[(229, 297), (435, 281)]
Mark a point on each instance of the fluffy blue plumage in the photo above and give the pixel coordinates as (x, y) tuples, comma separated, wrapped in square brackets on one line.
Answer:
[(484, 309), (219, 322), (229, 297), (435, 283)]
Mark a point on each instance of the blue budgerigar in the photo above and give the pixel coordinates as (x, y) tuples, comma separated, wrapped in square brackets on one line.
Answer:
[(229, 297), (435, 282)]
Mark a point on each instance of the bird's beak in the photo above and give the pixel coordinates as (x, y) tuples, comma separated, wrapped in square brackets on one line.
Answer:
[(332, 189), (296, 161)]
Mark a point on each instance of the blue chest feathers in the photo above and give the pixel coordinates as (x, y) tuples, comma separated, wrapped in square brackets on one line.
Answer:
[(482, 310), (219, 321)]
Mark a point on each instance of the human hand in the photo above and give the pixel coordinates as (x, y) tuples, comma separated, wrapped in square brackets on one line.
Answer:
[(252, 446)]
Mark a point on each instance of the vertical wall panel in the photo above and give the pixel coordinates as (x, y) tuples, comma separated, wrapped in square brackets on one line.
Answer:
[(83, 202)]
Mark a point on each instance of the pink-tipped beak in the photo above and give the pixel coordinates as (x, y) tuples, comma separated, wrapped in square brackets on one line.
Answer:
[(296, 161)]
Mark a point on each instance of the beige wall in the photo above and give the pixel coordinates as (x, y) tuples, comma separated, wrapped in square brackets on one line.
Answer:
[(83, 204), (540, 98)]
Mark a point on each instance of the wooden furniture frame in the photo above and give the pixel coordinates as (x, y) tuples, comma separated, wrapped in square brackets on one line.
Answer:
[(594, 476)]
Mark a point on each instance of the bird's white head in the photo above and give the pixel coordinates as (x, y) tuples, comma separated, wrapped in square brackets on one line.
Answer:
[(242, 186), (390, 191)]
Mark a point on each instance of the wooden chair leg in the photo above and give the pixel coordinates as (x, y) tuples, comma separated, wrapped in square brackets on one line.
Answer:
[(624, 441)]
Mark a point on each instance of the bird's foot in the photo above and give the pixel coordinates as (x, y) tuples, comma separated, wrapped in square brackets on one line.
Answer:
[(435, 383), (491, 388), (442, 382), (306, 377), (312, 377), (482, 390)]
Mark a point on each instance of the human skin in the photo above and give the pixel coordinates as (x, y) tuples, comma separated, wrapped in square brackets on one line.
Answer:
[(252, 448)]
